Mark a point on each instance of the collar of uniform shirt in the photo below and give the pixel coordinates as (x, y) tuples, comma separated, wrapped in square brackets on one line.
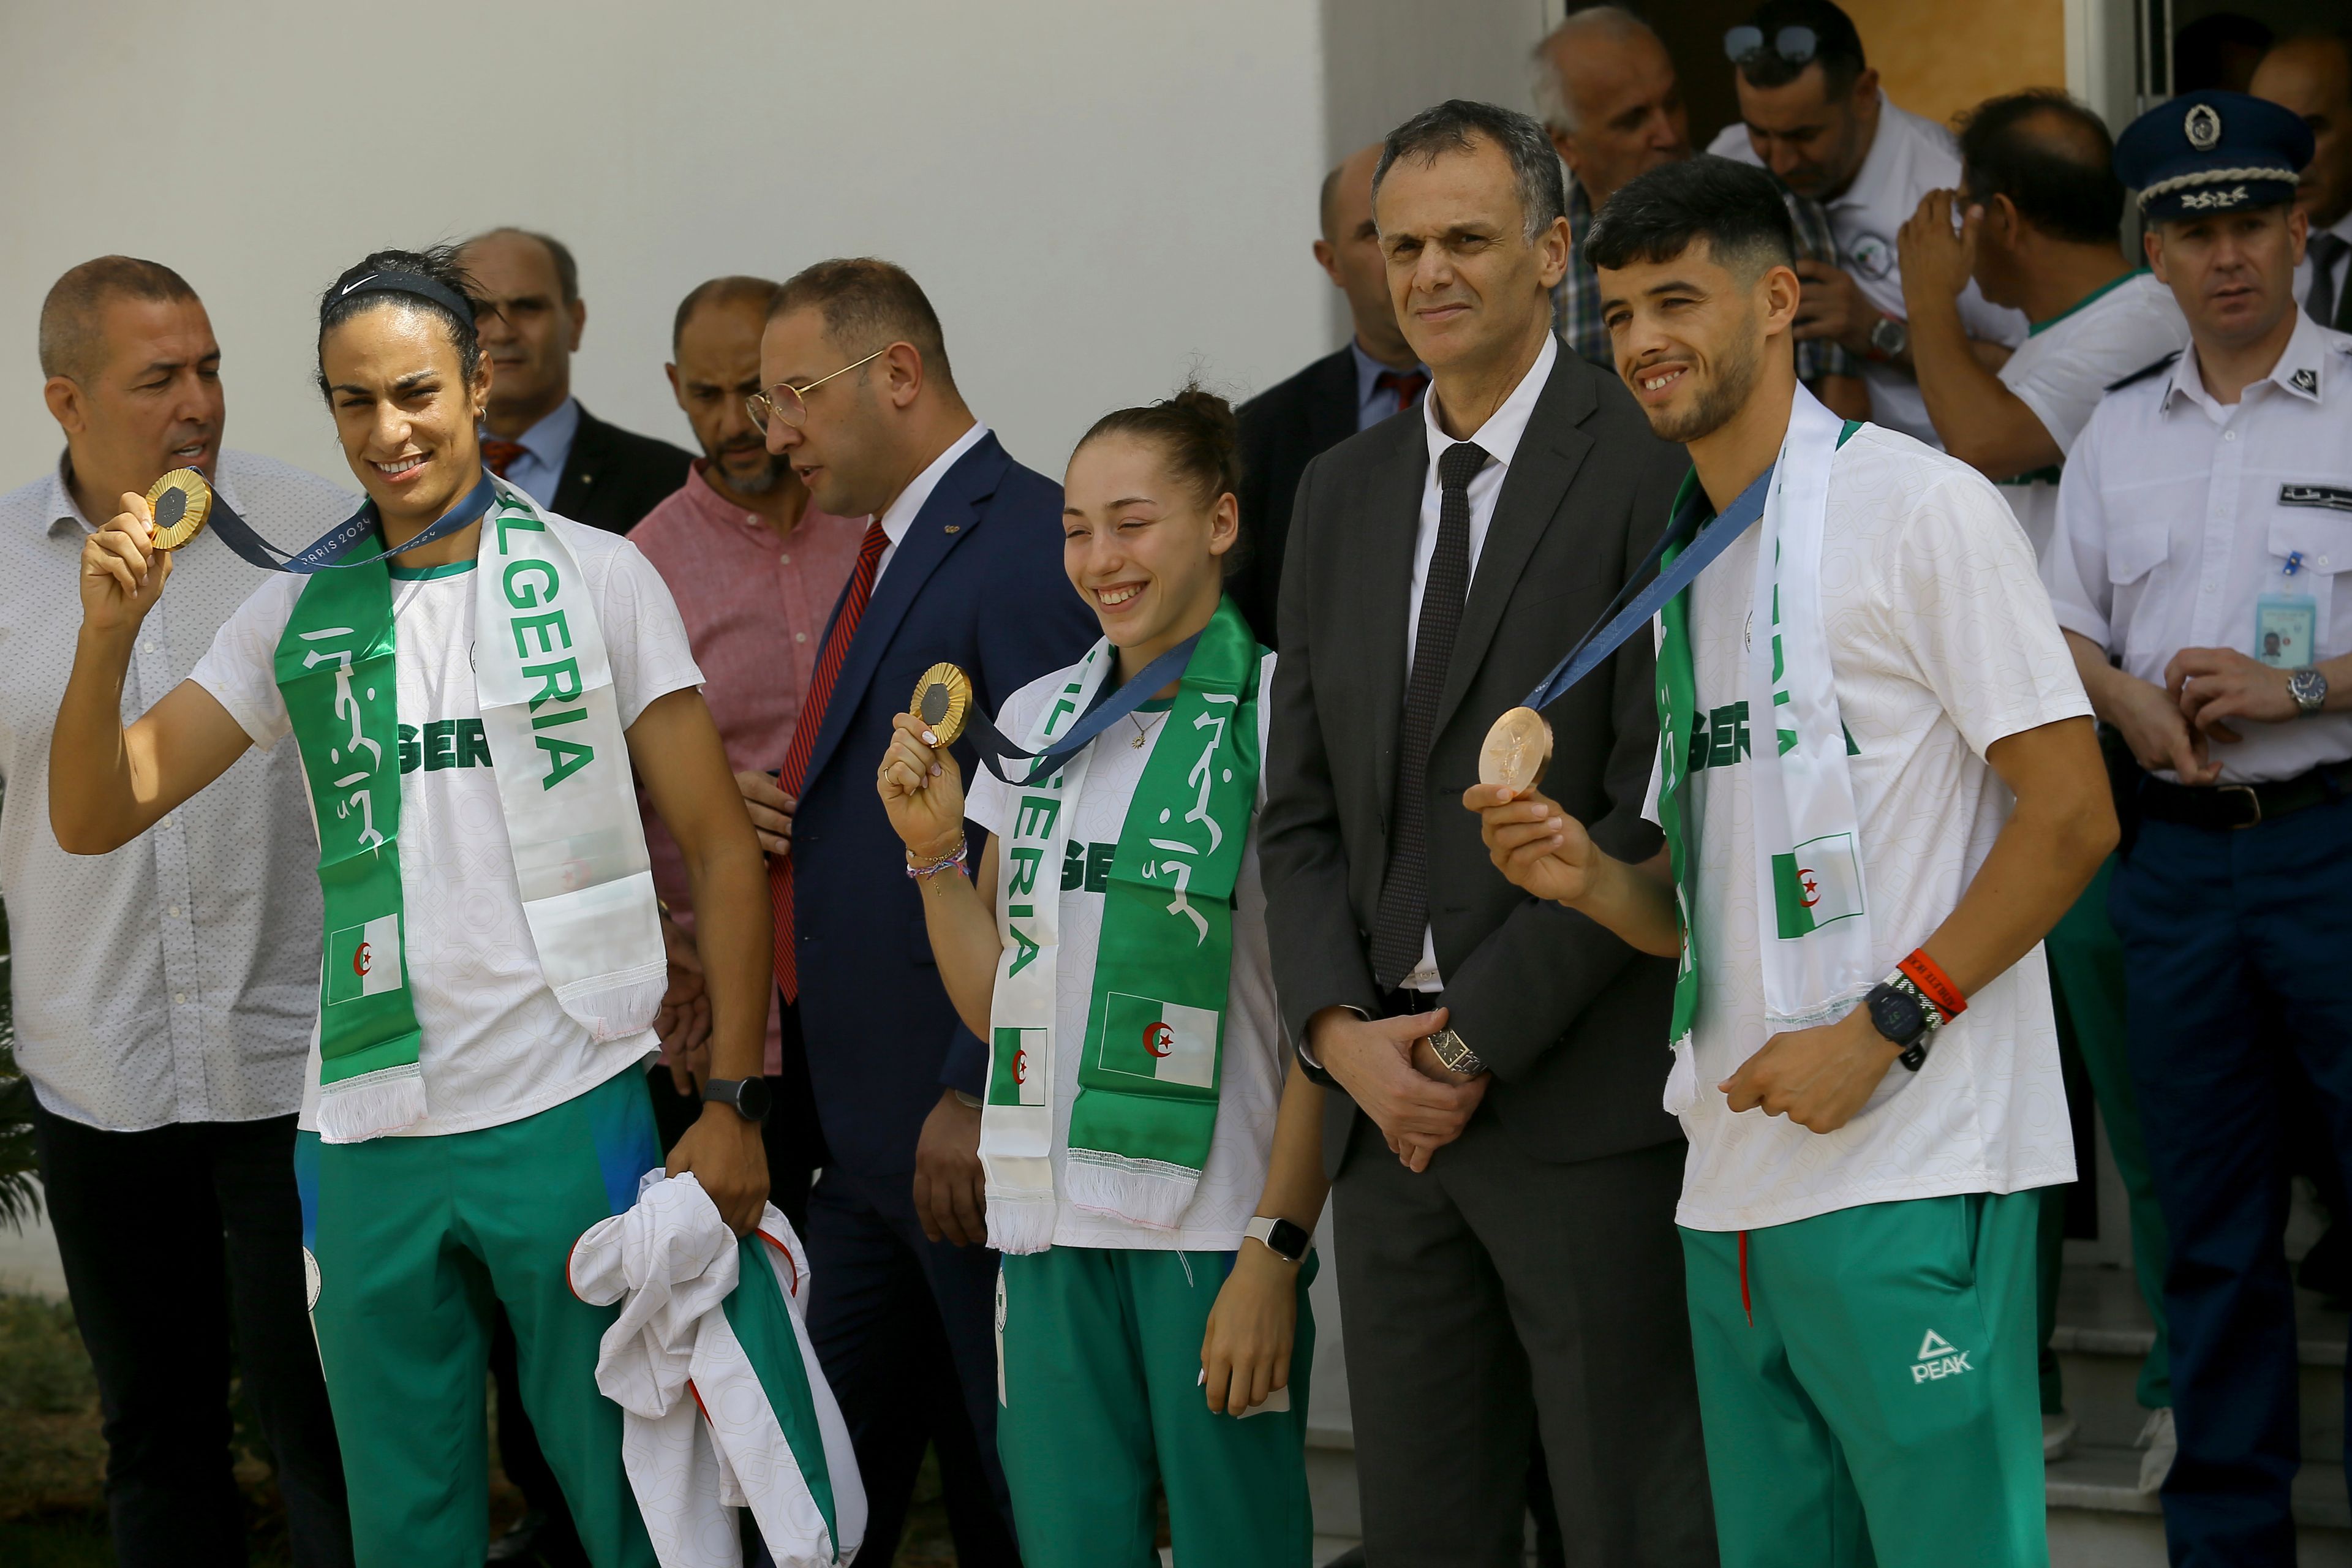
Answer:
[(1500, 435), (2305, 356)]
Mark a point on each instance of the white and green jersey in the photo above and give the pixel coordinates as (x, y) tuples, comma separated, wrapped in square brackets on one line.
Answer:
[(1942, 642), (1255, 1059), (496, 1045)]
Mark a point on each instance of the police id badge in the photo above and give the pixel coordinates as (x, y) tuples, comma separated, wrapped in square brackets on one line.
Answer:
[(2284, 627)]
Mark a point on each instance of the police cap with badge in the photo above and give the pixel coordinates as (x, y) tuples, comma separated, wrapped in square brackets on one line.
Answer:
[(2212, 152)]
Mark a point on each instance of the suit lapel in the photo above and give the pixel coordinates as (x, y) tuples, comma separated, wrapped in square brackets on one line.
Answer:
[(580, 466), (1381, 543), (948, 517), (1534, 493)]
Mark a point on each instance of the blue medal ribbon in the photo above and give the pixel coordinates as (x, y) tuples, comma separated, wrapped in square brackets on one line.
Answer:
[(1621, 620), (322, 552), (1107, 708)]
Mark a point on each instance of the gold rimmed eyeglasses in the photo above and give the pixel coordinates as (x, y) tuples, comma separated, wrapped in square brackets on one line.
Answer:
[(789, 404)]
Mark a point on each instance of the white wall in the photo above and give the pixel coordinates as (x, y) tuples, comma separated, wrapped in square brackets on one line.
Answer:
[(1096, 194)]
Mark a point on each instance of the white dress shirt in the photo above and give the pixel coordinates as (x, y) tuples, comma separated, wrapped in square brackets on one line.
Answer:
[(1499, 438), (1908, 157), (902, 512), (177, 978), (2175, 513)]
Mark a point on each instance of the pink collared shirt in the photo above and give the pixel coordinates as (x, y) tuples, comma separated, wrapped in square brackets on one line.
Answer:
[(755, 607)]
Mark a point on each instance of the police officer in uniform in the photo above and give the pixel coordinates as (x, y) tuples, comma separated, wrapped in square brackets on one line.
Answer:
[(2204, 520)]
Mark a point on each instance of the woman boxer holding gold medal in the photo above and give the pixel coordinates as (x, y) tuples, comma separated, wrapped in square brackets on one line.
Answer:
[(469, 684), (1152, 1179)]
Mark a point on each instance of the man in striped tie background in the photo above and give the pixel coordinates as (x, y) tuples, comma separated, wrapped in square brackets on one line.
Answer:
[(961, 562)]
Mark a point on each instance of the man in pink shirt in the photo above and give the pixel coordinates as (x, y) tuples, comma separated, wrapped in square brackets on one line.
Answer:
[(755, 569)]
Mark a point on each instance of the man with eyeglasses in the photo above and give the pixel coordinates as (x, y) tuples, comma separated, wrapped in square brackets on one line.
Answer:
[(1812, 114), (961, 562)]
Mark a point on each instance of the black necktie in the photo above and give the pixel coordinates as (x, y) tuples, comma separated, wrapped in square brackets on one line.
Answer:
[(1404, 891), (2322, 305)]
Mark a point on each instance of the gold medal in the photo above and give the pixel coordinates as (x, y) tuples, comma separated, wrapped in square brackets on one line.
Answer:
[(1517, 751), (180, 502), (941, 700)]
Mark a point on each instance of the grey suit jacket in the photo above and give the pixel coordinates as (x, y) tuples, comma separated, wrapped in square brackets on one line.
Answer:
[(1571, 1020)]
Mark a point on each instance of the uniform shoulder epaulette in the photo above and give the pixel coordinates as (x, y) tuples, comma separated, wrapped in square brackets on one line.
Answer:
[(2144, 371)]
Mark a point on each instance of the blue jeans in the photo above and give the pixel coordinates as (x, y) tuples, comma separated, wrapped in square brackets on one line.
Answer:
[(2236, 943)]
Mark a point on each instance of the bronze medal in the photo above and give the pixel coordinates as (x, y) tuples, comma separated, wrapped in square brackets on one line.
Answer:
[(179, 502), (942, 697), (1517, 751)]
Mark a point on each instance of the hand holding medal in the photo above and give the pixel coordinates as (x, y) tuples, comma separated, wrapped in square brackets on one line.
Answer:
[(125, 564), (921, 784)]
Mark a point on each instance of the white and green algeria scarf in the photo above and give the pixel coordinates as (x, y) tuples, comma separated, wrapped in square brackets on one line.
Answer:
[(1149, 1074), (1807, 831), (554, 735)]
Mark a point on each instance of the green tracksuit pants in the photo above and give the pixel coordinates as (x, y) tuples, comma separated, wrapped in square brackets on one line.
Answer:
[(2086, 982), (1098, 1366), (416, 1239), (1867, 1383)]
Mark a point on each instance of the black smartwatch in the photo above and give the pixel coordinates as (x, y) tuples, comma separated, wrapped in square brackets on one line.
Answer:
[(1902, 1018), (1284, 1239), (748, 1095)]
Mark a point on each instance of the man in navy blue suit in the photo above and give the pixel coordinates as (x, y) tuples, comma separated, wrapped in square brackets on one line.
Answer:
[(961, 561)]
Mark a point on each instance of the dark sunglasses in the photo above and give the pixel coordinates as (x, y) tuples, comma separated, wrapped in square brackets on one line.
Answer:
[(1797, 45)]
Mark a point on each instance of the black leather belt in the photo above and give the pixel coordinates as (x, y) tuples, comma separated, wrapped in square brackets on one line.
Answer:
[(2233, 805)]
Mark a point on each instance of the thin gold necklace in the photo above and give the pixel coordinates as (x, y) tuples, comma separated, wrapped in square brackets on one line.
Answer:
[(1141, 733)]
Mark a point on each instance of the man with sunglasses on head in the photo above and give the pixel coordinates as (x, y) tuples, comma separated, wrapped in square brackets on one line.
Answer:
[(1812, 114), (961, 562)]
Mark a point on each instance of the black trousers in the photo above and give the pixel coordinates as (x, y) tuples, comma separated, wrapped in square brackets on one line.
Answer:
[(1494, 1297), (795, 1147), (183, 1252)]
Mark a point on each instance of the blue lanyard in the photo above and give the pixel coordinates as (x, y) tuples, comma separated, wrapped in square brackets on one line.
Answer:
[(239, 536), (1107, 708), (1618, 624)]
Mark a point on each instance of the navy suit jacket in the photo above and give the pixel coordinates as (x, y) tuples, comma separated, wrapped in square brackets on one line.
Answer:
[(978, 582)]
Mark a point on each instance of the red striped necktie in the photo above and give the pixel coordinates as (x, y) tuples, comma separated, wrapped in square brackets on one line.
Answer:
[(500, 455), (1406, 384), (795, 773)]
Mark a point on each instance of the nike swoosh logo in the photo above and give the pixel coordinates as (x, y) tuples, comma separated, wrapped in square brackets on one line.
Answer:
[(369, 279)]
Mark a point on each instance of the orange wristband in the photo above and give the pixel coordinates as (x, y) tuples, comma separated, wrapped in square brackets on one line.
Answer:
[(1930, 978)]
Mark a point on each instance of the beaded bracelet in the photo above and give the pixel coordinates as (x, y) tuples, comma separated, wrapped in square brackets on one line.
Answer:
[(933, 868)]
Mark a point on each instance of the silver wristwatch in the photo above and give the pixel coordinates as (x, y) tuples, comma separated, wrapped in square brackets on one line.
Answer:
[(1890, 337), (1456, 1056), (2309, 690)]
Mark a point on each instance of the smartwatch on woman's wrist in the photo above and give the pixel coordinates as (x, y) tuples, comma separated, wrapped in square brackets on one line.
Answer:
[(1279, 1236)]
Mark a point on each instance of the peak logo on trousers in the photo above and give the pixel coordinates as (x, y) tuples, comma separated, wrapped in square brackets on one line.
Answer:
[(1938, 1360)]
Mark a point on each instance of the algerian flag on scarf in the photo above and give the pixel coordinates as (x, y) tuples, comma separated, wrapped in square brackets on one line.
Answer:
[(1149, 1068), (1808, 839), (554, 731)]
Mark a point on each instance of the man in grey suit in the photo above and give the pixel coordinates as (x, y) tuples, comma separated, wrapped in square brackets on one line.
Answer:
[(1506, 1179)]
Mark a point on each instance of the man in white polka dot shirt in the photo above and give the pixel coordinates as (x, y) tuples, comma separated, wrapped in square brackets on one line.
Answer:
[(165, 993)]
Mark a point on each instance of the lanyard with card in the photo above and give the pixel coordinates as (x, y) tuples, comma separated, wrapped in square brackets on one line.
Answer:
[(2287, 623)]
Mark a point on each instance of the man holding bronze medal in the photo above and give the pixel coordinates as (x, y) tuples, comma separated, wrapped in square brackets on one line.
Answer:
[(1503, 1206), (960, 563), (1857, 670)]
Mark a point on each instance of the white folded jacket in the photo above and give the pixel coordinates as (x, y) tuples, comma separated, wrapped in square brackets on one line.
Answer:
[(724, 1406)]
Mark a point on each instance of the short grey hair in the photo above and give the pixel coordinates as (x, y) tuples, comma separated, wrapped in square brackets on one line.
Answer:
[(1455, 125), (1612, 21)]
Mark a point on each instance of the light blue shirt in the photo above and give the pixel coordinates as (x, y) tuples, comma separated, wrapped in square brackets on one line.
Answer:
[(1374, 402), (546, 448)]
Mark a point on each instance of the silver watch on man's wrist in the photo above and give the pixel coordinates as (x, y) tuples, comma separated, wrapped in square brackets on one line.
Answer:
[(2309, 690), (1457, 1056), (1890, 339)]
